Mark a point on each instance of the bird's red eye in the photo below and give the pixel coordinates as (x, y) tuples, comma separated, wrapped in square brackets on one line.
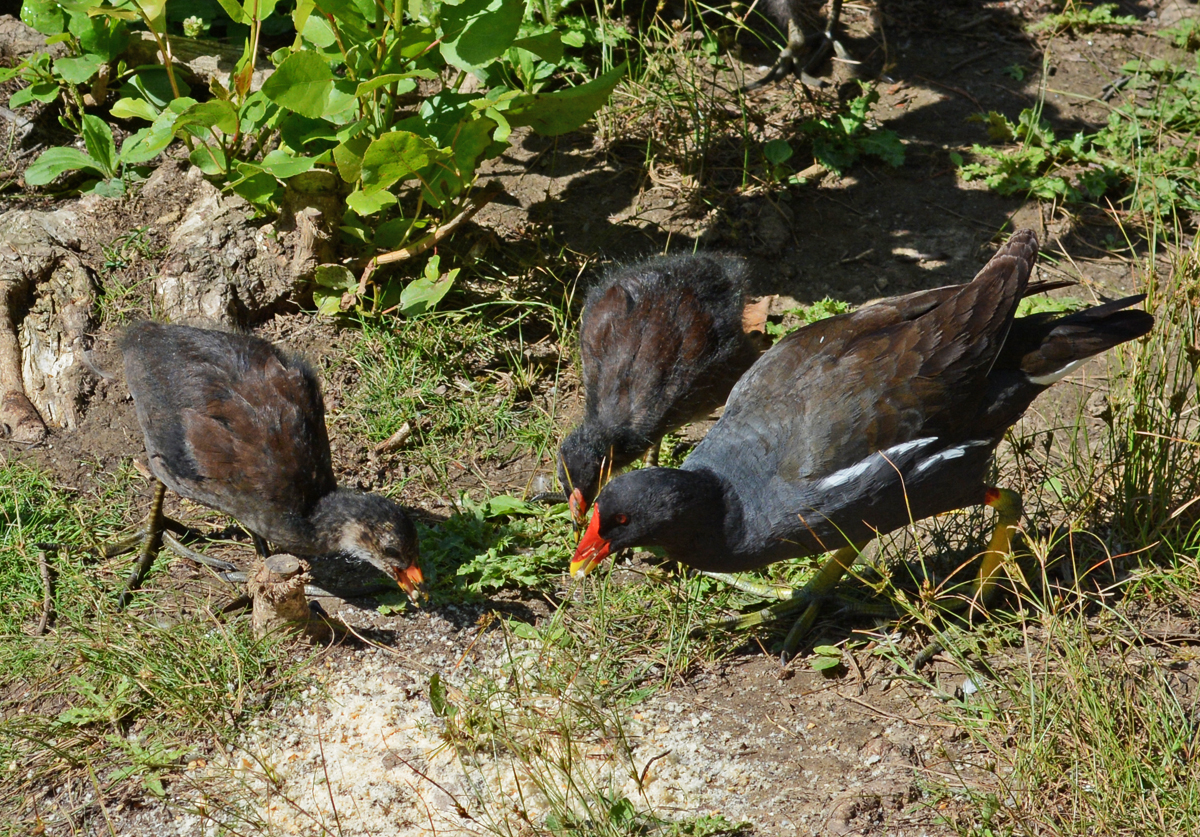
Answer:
[(621, 519)]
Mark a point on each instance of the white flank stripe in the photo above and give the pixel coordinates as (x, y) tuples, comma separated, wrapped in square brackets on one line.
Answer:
[(853, 472), (956, 452), (1052, 377)]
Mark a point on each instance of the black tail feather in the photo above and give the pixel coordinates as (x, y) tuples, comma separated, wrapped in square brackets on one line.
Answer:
[(1045, 346)]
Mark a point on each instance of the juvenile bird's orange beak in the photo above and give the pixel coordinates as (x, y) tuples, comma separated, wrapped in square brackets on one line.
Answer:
[(592, 548), (412, 582), (578, 509)]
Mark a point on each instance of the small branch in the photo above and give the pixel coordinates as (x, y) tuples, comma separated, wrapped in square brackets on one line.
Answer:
[(478, 202), (47, 589)]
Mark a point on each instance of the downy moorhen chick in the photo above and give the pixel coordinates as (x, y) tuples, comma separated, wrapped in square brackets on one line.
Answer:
[(235, 424), (662, 343), (859, 424)]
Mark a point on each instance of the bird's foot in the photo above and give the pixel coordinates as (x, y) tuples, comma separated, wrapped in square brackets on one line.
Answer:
[(801, 58), (781, 592)]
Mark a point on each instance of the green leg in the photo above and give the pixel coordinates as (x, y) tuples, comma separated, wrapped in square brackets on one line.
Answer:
[(763, 591), (652, 453), (1008, 506), (823, 582), (149, 547)]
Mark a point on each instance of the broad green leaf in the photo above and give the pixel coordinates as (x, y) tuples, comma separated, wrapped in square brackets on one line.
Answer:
[(234, 10), (468, 144), (284, 165), (349, 156), (98, 35), (198, 120), (98, 139), (391, 78), (777, 151), (330, 305), (129, 108), (302, 84), (477, 31), (259, 188), (335, 276), (317, 31), (42, 91), (43, 15), (547, 46), (210, 159), (341, 106), (423, 294), (145, 145), (368, 203), (112, 188), (396, 157), (54, 161), (551, 114), (153, 85), (504, 505)]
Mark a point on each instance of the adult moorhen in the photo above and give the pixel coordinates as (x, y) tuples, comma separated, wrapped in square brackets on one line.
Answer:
[(662, 343), (235, 424), (859, 424)]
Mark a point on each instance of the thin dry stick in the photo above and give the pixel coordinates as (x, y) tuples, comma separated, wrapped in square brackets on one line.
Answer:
[(478, 202), (47, 591)]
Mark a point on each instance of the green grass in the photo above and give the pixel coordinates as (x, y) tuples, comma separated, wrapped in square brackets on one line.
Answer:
[(106, 697)]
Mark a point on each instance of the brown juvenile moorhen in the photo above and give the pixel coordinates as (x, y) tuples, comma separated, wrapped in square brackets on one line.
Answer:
[(662, 343), (233, 423), (856, 425)]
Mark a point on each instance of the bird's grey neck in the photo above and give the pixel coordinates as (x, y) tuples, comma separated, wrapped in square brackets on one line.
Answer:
[(711, 539), (332, 521)]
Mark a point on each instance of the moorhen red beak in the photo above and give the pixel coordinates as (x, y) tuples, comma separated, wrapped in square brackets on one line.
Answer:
[(662, 343), (235, 424), (591, 550), (859, 424)]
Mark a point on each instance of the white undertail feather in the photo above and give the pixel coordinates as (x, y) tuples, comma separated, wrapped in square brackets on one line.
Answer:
[(1053, 377)]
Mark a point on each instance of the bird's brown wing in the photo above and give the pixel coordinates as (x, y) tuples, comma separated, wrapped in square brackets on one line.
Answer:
[(833, 393), (646, 370), (259, 442)]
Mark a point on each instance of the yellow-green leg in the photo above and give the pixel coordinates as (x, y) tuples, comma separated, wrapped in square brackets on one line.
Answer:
[(1009, 508), (154, 525), (826, 579)]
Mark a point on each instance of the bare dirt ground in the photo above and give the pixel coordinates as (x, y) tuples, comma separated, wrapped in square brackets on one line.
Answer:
[(785, 749)]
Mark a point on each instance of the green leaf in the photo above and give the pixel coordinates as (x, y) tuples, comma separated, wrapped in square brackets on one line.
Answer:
[(144, 145), (504, 505), (302, 84), (547, 46), (423, 294), (54, 161), (777, 151), (551, 114), (439, 700), (210, 159), (348, 157), (368, 203), (284, 165), (396, 157), (214, 114), (98, 139), (44, 16), (258, 187), (335, 276), (78, 70), (134, 109), (523, 630), (477, 31), (42, 91), (391, 78)]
